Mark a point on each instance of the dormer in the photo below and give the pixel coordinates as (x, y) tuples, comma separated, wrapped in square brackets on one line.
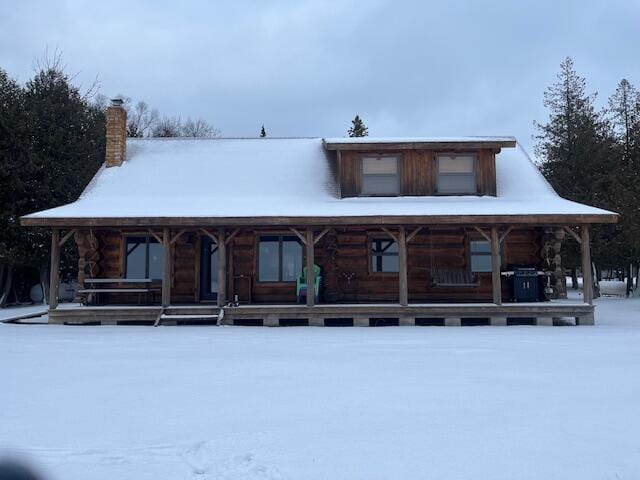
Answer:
[(392, 167)]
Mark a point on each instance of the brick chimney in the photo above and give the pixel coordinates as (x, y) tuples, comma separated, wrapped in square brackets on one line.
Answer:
[(116, 150)]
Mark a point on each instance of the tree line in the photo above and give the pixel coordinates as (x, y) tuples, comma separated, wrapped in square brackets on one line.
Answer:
[(144, 121), (592, 155)]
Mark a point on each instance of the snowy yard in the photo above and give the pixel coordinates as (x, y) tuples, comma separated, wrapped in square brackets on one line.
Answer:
[(326, 403)]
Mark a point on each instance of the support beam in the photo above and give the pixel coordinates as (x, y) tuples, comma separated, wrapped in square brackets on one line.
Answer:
[(413, 234), (230, 237), (575, 236), (213, 238), (587, 280), (222, 269), (390, 233), (504, 235), (310, 246), (177, 236), (321, 234), (481, 232), (54, 274), (495, 267), (299, 235), (402, 271), (160, 240), (67, 236), (166, 277)]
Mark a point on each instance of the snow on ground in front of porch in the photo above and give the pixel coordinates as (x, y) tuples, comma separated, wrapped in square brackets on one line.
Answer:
[(326, 403)]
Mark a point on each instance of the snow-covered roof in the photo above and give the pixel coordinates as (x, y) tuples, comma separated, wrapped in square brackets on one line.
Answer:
[(282, 177)]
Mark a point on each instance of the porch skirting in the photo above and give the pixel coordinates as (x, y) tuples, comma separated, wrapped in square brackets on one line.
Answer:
[(446, 314)]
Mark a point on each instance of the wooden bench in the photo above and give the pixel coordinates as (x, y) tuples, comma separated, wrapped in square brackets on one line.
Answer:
[(93, 287), (453, 277)]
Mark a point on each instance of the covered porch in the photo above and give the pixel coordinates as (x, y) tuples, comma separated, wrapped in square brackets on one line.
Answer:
[(409, 297), (560, 312)]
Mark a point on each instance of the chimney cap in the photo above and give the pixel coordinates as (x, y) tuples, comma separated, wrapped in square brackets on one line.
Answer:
[(117, 102)]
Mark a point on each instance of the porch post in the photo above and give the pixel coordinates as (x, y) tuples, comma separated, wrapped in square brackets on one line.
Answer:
[(54, 274), (310, 247), (166, 277), (402, 271), (495, 267), (587, 280), (222, 268)]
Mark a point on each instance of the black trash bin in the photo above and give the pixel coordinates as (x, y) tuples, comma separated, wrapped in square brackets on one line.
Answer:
[(525, 284)]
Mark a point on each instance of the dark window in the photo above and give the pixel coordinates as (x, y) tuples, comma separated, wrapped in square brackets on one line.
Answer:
[(480, 256), (279, 259), (143, 258), (380, 175), (384, 255), (456, 174)]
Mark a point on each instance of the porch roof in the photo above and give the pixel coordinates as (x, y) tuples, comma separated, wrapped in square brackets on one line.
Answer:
[(267, 181)]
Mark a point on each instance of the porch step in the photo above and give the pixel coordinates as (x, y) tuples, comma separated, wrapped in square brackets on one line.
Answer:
[(172, 316), (188, 316)]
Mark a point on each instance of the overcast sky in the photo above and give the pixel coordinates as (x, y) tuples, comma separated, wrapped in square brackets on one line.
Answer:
[(305, 68)]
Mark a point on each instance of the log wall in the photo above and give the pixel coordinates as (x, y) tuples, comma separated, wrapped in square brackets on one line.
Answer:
[(343, 255)]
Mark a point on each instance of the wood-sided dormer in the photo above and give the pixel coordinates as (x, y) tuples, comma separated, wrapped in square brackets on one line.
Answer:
[(369, 167)]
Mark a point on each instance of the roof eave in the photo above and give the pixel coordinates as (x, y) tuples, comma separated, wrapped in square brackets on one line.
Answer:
[(429, 145), (532, 219)]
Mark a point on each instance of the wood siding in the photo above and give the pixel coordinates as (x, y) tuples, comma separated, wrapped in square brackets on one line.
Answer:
[(344, 256), (417, 171)]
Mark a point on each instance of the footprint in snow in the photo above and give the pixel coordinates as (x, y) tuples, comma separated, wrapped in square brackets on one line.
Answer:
[(207, 462)]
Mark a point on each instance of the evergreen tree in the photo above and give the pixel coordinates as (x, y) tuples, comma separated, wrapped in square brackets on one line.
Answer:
[(263, 132), (358, 128), (576, 149), (624, 114), (51, 144)]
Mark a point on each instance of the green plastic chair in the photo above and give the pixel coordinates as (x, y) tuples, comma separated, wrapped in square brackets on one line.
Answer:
[(301, 283)]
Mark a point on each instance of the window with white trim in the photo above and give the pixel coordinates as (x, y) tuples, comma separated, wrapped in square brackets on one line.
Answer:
[(380, 175), (456, 175)]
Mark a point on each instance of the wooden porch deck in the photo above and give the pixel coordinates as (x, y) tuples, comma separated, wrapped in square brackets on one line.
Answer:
[(432, 314)]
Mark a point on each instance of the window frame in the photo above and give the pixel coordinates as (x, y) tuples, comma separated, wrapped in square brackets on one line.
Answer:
[(280, 237), (125, 254), (370, 254), (472, 237), (436, 176), (399, 162)]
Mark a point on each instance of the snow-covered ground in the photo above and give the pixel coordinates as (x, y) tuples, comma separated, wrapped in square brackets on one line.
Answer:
[(7, 314), (175, 403)]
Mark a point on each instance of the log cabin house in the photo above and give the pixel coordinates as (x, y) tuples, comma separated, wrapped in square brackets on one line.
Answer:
[(405, 231)]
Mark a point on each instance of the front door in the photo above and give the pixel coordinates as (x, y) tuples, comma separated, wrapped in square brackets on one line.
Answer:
[(208, 270)]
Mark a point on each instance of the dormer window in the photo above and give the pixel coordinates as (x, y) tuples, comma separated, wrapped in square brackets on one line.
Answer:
[(380, 175), (456, 175)]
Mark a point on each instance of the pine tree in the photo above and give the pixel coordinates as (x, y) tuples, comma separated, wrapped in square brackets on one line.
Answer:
[(263, 132), (575, 147), (358, 128), (624, 114), (51, 145)]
